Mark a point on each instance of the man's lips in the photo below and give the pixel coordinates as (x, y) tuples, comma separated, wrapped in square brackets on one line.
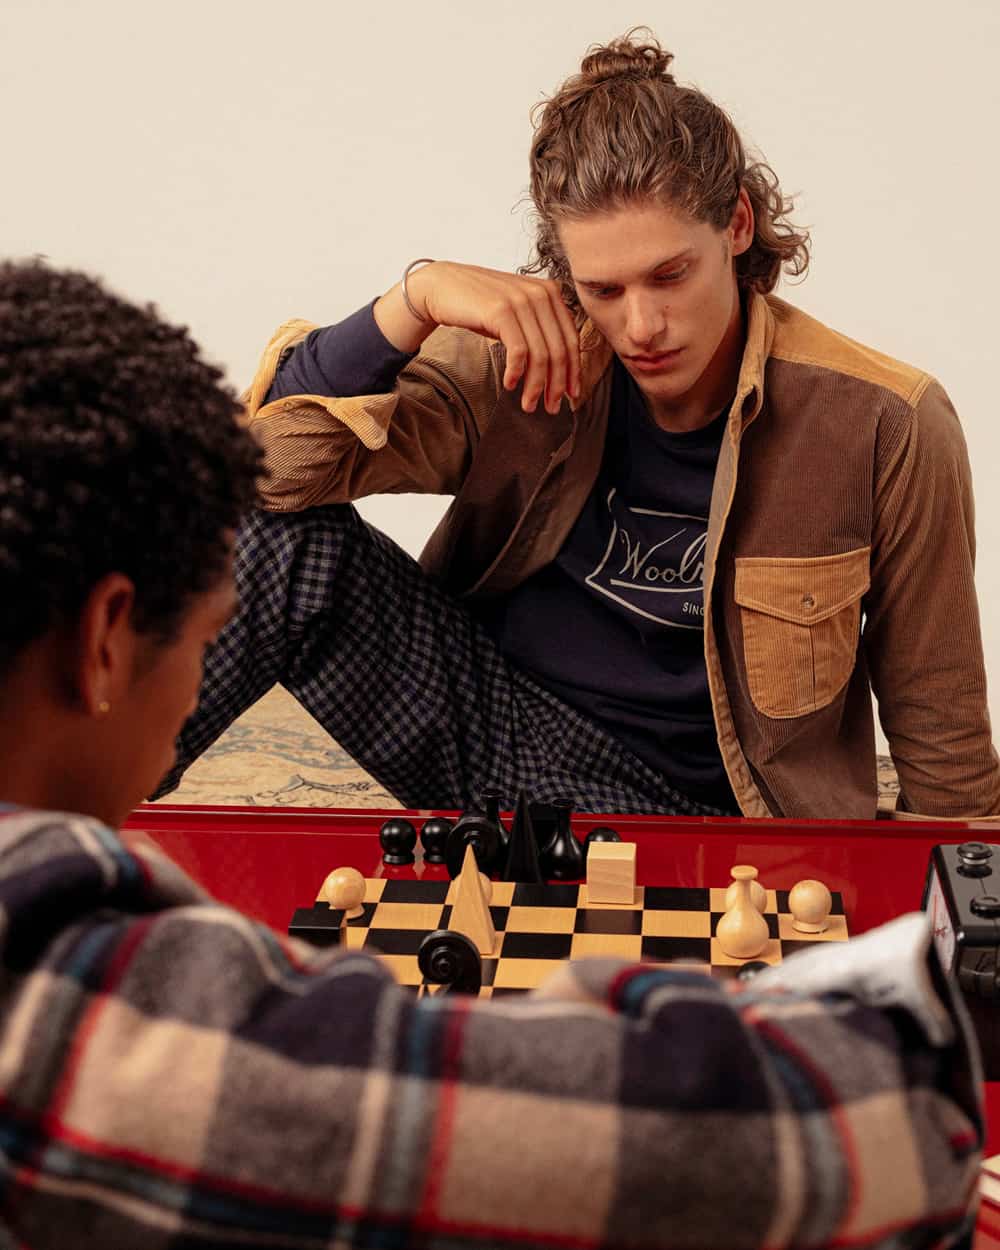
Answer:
[(656, 360)]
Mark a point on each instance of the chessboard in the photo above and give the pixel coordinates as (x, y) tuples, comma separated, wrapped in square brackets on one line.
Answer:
[(538, 925)]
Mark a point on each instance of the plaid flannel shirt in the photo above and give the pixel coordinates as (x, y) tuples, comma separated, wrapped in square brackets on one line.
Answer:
[(173, 1074)]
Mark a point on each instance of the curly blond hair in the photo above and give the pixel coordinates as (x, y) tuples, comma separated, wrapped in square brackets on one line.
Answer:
[(623, 130)]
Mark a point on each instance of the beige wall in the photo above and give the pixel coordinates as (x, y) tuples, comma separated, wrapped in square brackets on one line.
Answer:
[(243, 162)]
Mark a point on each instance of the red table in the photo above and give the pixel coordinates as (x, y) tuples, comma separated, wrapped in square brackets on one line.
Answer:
[(267, 861)]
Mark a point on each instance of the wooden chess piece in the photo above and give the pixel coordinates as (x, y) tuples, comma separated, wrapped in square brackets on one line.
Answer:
[(810, 903), (434, 838), (742, 932), (344, 888), (562, 859), (475, 830), (491, 803), (471, 914), (397, 838), (758, 895), (611, 873), (449, 959), (522, 849), (602, 833)]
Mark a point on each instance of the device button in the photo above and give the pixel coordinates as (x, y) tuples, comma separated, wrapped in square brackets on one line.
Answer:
[(986, 905), (972, 857), (975, 852)]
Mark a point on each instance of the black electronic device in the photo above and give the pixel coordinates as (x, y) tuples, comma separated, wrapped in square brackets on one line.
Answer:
[(962, 899)]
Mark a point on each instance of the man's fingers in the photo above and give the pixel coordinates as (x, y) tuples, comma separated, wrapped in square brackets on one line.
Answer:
[(557, 372), (536, 374), (532, 321), (571, 336), (510, 334)]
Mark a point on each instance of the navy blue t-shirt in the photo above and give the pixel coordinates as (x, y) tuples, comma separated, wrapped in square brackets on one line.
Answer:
[(615, 624)]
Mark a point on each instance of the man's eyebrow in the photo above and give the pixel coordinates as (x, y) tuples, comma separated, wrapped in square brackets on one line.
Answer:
[(670, 260)]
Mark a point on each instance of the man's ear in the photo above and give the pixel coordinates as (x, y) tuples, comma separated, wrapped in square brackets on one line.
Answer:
[(742, 224), (107, 644)]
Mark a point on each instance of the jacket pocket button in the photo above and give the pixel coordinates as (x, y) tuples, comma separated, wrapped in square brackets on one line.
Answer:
[(808, 602)]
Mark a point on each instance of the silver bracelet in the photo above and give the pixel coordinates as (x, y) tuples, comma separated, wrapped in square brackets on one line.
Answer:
[(424, 260)]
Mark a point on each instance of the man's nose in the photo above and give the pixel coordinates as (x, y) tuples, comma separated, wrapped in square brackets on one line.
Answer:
[(645, 320)]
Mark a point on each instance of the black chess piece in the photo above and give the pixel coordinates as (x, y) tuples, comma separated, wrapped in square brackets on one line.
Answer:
[(750, 969), (491, 801), (563, 859), (602, 833), (397, 838), (434, 838), (475, 830), (522, 849), (543, 819), (450, 959)]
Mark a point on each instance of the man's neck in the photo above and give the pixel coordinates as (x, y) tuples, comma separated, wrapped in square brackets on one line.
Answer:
[(47, 759), (714, 390)]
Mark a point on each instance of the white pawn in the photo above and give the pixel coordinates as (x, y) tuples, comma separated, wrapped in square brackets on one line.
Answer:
[(758, 895), (810, 903), (344, 889)]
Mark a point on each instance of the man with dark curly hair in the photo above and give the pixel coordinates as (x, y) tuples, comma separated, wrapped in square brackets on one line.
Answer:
[(173, 1074), (693, 530)]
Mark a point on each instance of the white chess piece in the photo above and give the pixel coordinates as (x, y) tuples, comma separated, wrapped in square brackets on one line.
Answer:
[(810, 903), (742, 932), (758, 895), (344, 889)]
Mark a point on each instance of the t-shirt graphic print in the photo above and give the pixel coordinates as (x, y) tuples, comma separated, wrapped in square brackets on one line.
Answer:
[(654, 564)]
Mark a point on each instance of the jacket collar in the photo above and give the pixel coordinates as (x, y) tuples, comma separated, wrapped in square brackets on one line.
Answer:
[(596, 358)]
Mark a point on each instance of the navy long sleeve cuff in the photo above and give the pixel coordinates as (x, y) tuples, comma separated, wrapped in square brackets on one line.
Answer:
[(352, 357)]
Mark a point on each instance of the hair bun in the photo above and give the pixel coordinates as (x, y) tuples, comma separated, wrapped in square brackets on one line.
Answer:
[(624, 56)]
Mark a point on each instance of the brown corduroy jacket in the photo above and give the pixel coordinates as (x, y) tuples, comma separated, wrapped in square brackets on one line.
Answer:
[(839, 558)]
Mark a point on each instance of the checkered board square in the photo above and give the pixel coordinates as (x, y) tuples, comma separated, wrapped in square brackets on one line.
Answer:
[(537, 925)]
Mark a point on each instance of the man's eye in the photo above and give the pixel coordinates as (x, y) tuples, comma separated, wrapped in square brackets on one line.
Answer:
[(675, 275), (605, 292)]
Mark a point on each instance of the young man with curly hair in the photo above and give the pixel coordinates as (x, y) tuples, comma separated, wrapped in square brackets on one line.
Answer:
[(174, 1076), (692, 530)]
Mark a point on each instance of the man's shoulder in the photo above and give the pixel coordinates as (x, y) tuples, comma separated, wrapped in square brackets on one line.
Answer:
[(803, 340)]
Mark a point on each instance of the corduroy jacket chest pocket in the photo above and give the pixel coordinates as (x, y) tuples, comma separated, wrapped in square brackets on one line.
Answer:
[(801, 622)]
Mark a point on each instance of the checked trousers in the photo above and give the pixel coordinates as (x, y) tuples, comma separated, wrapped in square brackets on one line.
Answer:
[(402, 676)]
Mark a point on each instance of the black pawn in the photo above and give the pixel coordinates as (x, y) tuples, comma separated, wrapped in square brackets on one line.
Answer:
[(562, 859), (522, 850), (434, 839), (601, 834), (397, 838)]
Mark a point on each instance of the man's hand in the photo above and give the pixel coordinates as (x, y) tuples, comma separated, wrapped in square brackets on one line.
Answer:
[(527, 315)]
